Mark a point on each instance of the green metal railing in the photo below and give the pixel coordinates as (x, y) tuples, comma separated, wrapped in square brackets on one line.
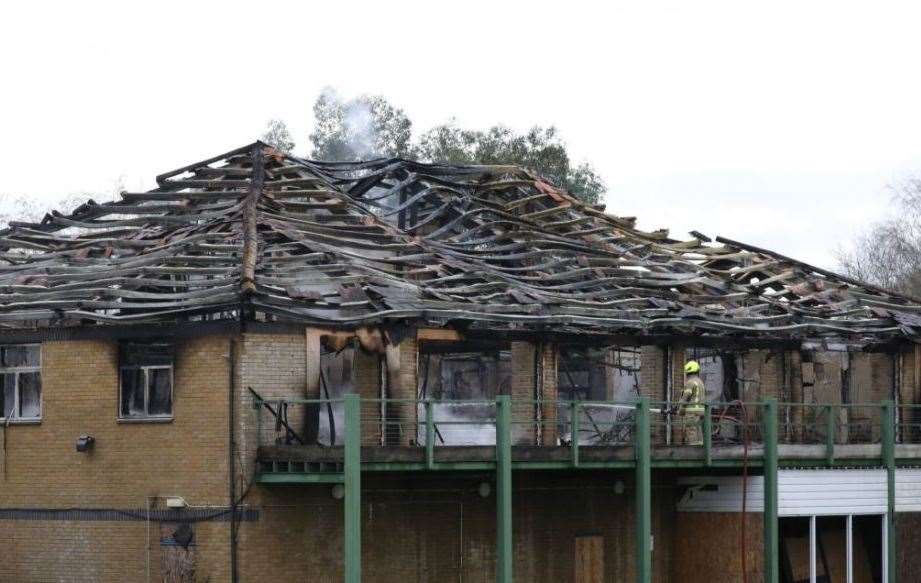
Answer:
[(581, 426)]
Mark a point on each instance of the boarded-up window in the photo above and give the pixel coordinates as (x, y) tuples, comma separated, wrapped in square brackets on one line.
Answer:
[(589, 559), (21, 382), (146, 370)]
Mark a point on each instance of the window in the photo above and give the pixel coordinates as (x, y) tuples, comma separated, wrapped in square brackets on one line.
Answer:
[(817, 549), (21, 378), (463, 386), (146, 380)]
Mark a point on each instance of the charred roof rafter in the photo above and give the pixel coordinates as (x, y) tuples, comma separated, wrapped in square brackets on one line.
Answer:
[(354, 244)]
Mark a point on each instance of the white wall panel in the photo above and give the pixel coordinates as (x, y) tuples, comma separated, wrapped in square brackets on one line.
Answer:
[(806, 492)]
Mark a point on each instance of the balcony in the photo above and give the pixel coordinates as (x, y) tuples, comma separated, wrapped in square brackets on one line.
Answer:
[(430, 435)]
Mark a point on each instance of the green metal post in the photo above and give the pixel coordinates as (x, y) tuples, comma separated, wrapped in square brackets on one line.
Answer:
[(642, 447), (429, 435), (830, 430), (771, 541), (503, 490), (574, 430), (708, 435), (888, 451), (352, 489)]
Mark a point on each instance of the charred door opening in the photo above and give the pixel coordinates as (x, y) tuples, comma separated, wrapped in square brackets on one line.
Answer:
[(336, 380), (606, 379), (463, 380)]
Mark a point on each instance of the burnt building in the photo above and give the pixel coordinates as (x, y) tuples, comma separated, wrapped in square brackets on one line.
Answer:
[(270, 368)]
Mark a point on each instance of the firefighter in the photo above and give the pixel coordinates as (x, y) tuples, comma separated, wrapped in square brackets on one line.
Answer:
[(691, 405)]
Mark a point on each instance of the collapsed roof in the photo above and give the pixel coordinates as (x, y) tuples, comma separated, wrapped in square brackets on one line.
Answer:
[(258, 234)]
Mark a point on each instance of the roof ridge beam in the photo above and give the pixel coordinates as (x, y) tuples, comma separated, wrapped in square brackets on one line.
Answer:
[(250, 223)]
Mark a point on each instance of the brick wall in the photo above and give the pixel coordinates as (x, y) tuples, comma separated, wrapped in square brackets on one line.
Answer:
[(653, 385), (366, 370), (549, 394), (440, 529), (129, 463), (652, 373), (761, 372), (402, 366), (523, 393), (274, 365), (534, 413), (792, 417), (445, 530)]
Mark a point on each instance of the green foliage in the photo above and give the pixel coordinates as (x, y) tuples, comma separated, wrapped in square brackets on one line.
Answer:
[(539, 149), (370, 127), (277, 135), (363, 128)]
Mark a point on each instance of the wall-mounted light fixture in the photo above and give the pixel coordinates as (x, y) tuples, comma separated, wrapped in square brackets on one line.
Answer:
[(85, 443), (619, 487), (176, 502), (484, 489), (338, 491)]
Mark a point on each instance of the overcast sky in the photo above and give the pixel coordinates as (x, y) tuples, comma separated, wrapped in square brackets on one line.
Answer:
[(779, 124)]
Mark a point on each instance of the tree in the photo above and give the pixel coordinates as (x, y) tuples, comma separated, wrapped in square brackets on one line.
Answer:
[(30, 209), (277, 135), (539, 149), (371, 127), (888, 254), (363, 128)]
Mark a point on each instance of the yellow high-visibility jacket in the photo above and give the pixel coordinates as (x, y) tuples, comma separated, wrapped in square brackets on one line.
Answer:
[(693, 395)]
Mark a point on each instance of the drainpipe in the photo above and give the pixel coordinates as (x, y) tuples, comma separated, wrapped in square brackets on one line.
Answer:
[(231, 450)]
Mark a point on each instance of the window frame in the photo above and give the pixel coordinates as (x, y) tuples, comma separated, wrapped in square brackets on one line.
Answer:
[(146, 416), (14, 418), (849, 542)]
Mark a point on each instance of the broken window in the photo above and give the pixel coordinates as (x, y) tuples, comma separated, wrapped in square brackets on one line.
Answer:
[(146, 370), (599, 374), (720, 373), (337, 378), (607, 379), (21, 378), (463, 386)]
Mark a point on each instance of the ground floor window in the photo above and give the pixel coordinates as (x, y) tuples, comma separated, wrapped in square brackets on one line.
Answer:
[(833, 549)]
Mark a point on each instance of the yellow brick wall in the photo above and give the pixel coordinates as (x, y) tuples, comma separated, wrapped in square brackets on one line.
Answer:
[(524, 429), (652, 373), (299, 534), (274, 366), (403, 361), (549, 394), (129, 463), (366, 368)]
